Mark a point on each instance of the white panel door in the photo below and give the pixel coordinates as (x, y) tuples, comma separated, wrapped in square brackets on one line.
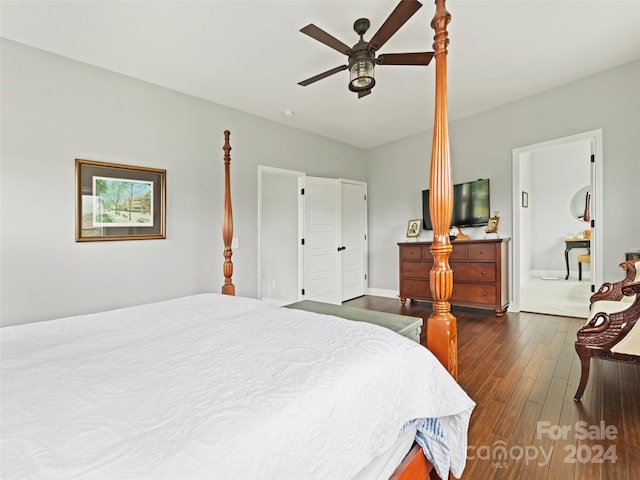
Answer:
[(354, 239), (321, 267), (279, 233)]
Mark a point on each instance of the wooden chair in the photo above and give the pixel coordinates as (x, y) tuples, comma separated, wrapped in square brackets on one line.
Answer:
[(585, 258), (611, 332)]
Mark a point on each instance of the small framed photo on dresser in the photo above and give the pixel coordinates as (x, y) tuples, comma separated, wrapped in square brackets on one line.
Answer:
[(492, 226), (413, 228)]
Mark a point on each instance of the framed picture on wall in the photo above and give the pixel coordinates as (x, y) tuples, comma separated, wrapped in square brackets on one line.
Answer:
[(119, 202), (414, 227)]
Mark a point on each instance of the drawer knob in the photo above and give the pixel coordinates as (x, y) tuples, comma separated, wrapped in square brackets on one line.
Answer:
[(409, 287), (484, 274), (410, 270), (481, 252), (484, 294)]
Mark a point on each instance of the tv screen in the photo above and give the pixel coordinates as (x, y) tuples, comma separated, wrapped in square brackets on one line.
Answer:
[(470, 205)]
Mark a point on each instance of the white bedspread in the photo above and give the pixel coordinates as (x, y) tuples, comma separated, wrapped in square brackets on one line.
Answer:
[(213, 387)]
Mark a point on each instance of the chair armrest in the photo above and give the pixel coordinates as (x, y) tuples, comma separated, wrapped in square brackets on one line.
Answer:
[(613, 291), (629, 290), (604, 330)]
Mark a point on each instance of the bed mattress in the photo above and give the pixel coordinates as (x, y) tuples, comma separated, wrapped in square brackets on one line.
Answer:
[(213, 386)]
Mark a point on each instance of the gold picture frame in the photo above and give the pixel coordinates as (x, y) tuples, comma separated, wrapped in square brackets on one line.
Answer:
[(414, 228), (492, 225), (119, 202)]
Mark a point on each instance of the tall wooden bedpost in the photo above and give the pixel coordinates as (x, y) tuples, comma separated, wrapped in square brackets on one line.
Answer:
[(442, 332), (227, 220)]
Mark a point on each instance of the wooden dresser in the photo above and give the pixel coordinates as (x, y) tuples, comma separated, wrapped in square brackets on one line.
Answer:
[(480, 273)]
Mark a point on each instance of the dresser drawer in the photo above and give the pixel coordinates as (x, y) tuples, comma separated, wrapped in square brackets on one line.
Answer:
[(458, 253), (474, 272), (416, 288), (416, 269), (411, 253), (474, 293), (481, 252)]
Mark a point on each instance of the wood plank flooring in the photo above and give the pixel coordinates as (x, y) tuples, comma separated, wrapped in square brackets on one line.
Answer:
[(522, 371)]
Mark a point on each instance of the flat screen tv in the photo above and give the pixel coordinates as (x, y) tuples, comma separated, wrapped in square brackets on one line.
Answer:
[(470, 205)]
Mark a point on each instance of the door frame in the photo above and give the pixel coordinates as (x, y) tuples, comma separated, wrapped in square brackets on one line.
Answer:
[(596, 265)]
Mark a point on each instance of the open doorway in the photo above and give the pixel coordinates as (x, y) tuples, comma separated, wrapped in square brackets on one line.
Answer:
[(549, 231)]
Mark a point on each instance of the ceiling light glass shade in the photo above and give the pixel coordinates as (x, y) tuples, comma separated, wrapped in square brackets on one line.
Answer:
[(361, 75)]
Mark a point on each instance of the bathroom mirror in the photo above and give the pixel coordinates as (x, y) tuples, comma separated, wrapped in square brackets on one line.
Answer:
[(581, 204)]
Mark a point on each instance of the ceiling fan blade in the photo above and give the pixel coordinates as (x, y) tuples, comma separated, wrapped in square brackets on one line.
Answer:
[(363, 93), (422, 58), (324, 37), (402, 13), (322, 75)]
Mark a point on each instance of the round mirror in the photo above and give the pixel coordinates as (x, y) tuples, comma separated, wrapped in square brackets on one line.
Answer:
[(581, 204)]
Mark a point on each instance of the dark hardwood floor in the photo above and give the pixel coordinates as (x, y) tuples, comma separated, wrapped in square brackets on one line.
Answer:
[(522, 371)]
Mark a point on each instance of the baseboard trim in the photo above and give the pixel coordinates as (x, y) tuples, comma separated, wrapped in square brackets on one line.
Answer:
[(277, 302), (383, 292), (559, 274)]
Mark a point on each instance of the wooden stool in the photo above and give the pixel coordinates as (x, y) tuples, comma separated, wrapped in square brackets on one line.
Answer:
[(585, 258)]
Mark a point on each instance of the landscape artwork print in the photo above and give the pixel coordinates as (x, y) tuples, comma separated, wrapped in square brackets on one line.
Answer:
[(119, 202)]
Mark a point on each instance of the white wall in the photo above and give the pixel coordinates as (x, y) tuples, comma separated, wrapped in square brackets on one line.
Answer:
[(481, 147), (55, 110)]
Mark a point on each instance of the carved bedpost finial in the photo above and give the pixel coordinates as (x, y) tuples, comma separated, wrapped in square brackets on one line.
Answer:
[(442, 336), (227, 148), (227, 220), (439, 24)]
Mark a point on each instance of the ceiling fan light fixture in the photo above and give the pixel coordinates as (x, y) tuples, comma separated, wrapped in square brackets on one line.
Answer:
[(362, 74)]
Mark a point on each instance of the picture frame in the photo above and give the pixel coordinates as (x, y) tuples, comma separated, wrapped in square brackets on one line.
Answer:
[(414, 228), (119, 202), (525, 199), (492, 226)]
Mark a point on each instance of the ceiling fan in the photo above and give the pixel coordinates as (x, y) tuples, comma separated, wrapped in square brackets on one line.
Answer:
[(362, 56)]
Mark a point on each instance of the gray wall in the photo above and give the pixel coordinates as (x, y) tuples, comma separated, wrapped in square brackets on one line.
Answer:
[(481, 146), (55, 110)]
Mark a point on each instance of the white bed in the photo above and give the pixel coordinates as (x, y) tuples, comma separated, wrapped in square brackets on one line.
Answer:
[(216, 387)]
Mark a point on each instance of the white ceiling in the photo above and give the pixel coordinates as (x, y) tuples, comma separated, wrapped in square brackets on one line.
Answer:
[(249, 55)]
